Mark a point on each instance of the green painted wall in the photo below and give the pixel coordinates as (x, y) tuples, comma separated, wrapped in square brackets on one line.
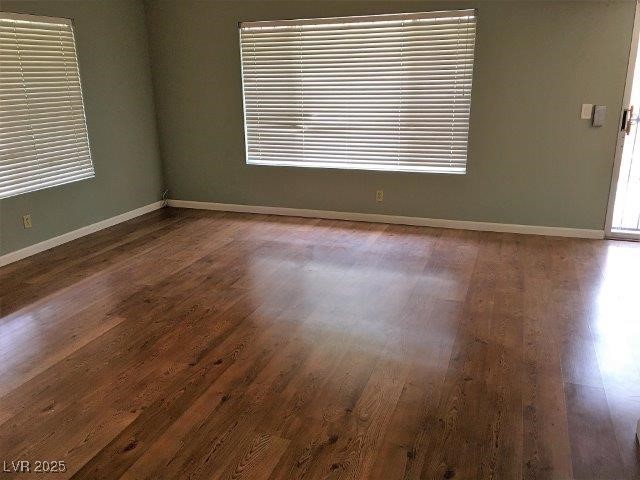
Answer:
[(114, 65), (531, 159)]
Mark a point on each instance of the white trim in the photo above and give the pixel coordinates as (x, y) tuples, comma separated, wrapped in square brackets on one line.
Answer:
[(28, 18), (394, 219), (73, 235), (390, 17), (626, 97)]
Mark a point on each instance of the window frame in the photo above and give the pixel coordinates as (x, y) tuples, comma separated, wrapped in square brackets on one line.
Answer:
[(459, 13), (89, 163)]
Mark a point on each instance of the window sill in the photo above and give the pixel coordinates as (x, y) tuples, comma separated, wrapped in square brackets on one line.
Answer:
[(364, 167)]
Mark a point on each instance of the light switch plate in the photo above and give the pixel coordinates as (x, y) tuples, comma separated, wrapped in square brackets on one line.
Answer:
[(587, 109), (599, 112)]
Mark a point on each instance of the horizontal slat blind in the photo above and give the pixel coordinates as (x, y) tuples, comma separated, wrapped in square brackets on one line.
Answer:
[(384, 92), (43, 132)]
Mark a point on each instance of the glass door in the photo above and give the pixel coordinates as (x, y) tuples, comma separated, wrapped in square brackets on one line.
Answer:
[(623, 220)]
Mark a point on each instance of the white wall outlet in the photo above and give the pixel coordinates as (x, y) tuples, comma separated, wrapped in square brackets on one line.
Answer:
[(26, 221), (379, 196), (587, 111)]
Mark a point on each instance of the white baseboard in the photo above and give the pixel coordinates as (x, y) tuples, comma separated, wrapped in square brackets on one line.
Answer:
[(298, 212), (81, 232), (395, 219)]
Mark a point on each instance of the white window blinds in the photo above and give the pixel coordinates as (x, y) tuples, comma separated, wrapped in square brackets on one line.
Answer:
[(384, 92), (43, 133)]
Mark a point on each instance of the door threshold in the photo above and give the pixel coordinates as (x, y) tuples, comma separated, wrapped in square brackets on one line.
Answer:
[(633, 235)]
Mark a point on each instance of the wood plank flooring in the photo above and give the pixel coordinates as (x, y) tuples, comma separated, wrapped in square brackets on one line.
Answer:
[(189, 344)]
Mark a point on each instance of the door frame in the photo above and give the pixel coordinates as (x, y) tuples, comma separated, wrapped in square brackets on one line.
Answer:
[(633, 53)]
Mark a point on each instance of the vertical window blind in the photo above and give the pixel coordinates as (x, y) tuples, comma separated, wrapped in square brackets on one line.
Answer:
[(383, 92), (43, 132)]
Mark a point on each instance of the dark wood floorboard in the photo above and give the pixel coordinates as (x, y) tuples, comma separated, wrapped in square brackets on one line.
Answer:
[(192, 344)]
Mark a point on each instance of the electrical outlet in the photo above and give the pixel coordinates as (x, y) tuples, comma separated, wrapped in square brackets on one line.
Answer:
[(26, 221), (379, 196)]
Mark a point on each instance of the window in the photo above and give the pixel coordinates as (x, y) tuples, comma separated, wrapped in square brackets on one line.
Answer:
[(43, 132), (384, 92)]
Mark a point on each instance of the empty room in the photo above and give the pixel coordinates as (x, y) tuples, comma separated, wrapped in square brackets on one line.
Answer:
[(319, 239)]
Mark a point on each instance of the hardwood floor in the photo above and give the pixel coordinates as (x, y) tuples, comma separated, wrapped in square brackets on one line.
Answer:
[(188, 344)]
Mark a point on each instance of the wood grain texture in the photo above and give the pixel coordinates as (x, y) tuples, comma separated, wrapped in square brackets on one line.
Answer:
[(195, 344)]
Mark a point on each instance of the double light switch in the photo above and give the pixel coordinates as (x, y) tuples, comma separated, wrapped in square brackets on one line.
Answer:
[(595, 113)]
